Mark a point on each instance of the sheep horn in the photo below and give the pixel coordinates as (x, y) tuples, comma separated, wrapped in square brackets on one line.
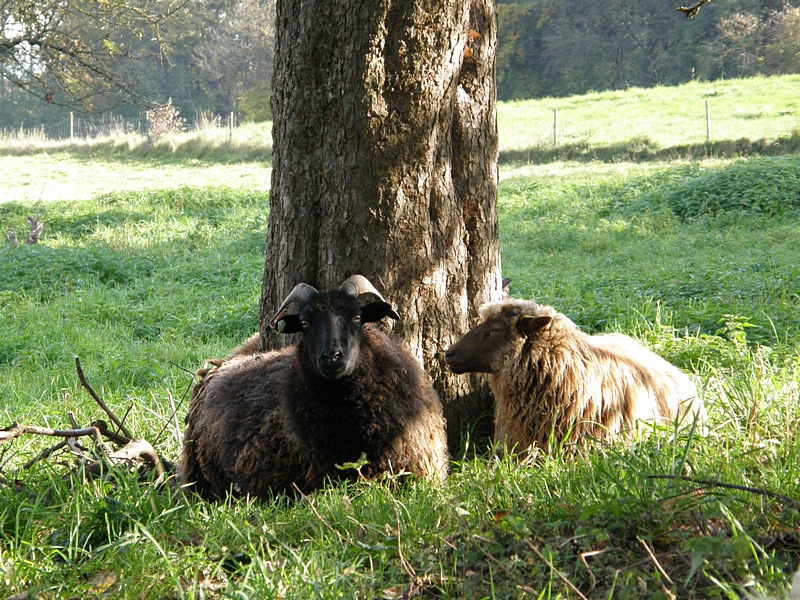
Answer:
[(356, 285), (300, 293)]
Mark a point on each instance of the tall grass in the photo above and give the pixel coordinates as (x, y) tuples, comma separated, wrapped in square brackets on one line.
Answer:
[(145, 285), (208, 140)]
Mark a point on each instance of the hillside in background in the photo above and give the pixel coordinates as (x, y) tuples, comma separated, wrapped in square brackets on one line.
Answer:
[(748, 117)]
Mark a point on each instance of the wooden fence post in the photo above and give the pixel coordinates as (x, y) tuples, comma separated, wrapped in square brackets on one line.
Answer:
[(555, 127), (708, 122), (71, 125)]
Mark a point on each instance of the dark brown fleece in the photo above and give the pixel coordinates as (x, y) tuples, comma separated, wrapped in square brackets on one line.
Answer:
[(261, 422)]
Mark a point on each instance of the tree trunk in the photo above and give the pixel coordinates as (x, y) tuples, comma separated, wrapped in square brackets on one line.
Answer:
[(385, 164)]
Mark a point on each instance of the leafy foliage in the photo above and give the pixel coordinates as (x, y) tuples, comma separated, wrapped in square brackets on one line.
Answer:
[(628, 43)]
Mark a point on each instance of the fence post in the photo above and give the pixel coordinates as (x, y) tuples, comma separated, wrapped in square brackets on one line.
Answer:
[(708, 122), (71, 125), (555, 127), (230, 127)]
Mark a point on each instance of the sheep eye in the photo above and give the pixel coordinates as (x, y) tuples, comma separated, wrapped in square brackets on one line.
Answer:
[(357, 319), (304, 324)]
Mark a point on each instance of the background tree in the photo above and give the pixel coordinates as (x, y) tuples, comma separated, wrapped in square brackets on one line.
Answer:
[(79, 53), (385, 164), (234, 59), (125, 55)]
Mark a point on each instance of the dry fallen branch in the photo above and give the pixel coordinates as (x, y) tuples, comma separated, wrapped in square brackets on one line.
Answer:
[(132, 452), (99, 400), (731, 486), (655, 562), (550, 565), (16, 430)]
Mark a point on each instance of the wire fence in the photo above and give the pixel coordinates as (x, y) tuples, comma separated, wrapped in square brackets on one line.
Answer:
[(76, 127)]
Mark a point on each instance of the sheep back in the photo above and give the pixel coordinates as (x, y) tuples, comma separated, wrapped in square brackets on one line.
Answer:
[(562, 384)]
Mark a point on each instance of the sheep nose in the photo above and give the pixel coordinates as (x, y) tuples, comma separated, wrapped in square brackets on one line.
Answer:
[(331, 357), (450, 353)]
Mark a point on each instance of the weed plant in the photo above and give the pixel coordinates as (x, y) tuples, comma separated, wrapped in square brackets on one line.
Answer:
[(144, 286)]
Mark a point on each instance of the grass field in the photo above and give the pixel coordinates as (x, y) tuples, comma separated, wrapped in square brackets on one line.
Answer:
[(758, 116), (700, 261)]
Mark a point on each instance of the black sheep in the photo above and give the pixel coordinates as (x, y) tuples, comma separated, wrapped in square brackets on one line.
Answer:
[(260, 423)]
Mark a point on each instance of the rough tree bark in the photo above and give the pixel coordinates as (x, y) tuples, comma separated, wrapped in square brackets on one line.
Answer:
[(385, 164)]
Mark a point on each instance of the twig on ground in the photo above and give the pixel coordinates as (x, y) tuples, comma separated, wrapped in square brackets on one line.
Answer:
[(125, 416), (583, 556), (731, 486), (655, 562), (44, 454), (99, 400), (499, 565), (403, 562), (174, 416), (16, 430), (638, 564), (556, 571), (113, 436), (307, 498), (74, 446), (174, 412)]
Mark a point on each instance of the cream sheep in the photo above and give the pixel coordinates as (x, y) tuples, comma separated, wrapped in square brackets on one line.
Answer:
[(554, 384)]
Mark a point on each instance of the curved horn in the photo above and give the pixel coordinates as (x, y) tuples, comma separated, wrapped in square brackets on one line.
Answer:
[(356, 285), (300, 293)]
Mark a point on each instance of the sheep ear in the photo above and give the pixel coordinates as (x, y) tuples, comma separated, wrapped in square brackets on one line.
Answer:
[(288, 324), (375, 311), (531, 325)]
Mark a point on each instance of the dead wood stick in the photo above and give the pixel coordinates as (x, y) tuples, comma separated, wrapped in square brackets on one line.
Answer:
[(655, 562), (139, 449), (135, 450), (330, 528), (44, 454), (99, 400), (73, 442), (115, 437), (16, 430), (125, 416), (647, 560), (731, 486), (552, 567)]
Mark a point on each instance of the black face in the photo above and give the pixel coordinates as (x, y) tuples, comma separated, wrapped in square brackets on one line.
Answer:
[(481, 349), (331, 327)]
